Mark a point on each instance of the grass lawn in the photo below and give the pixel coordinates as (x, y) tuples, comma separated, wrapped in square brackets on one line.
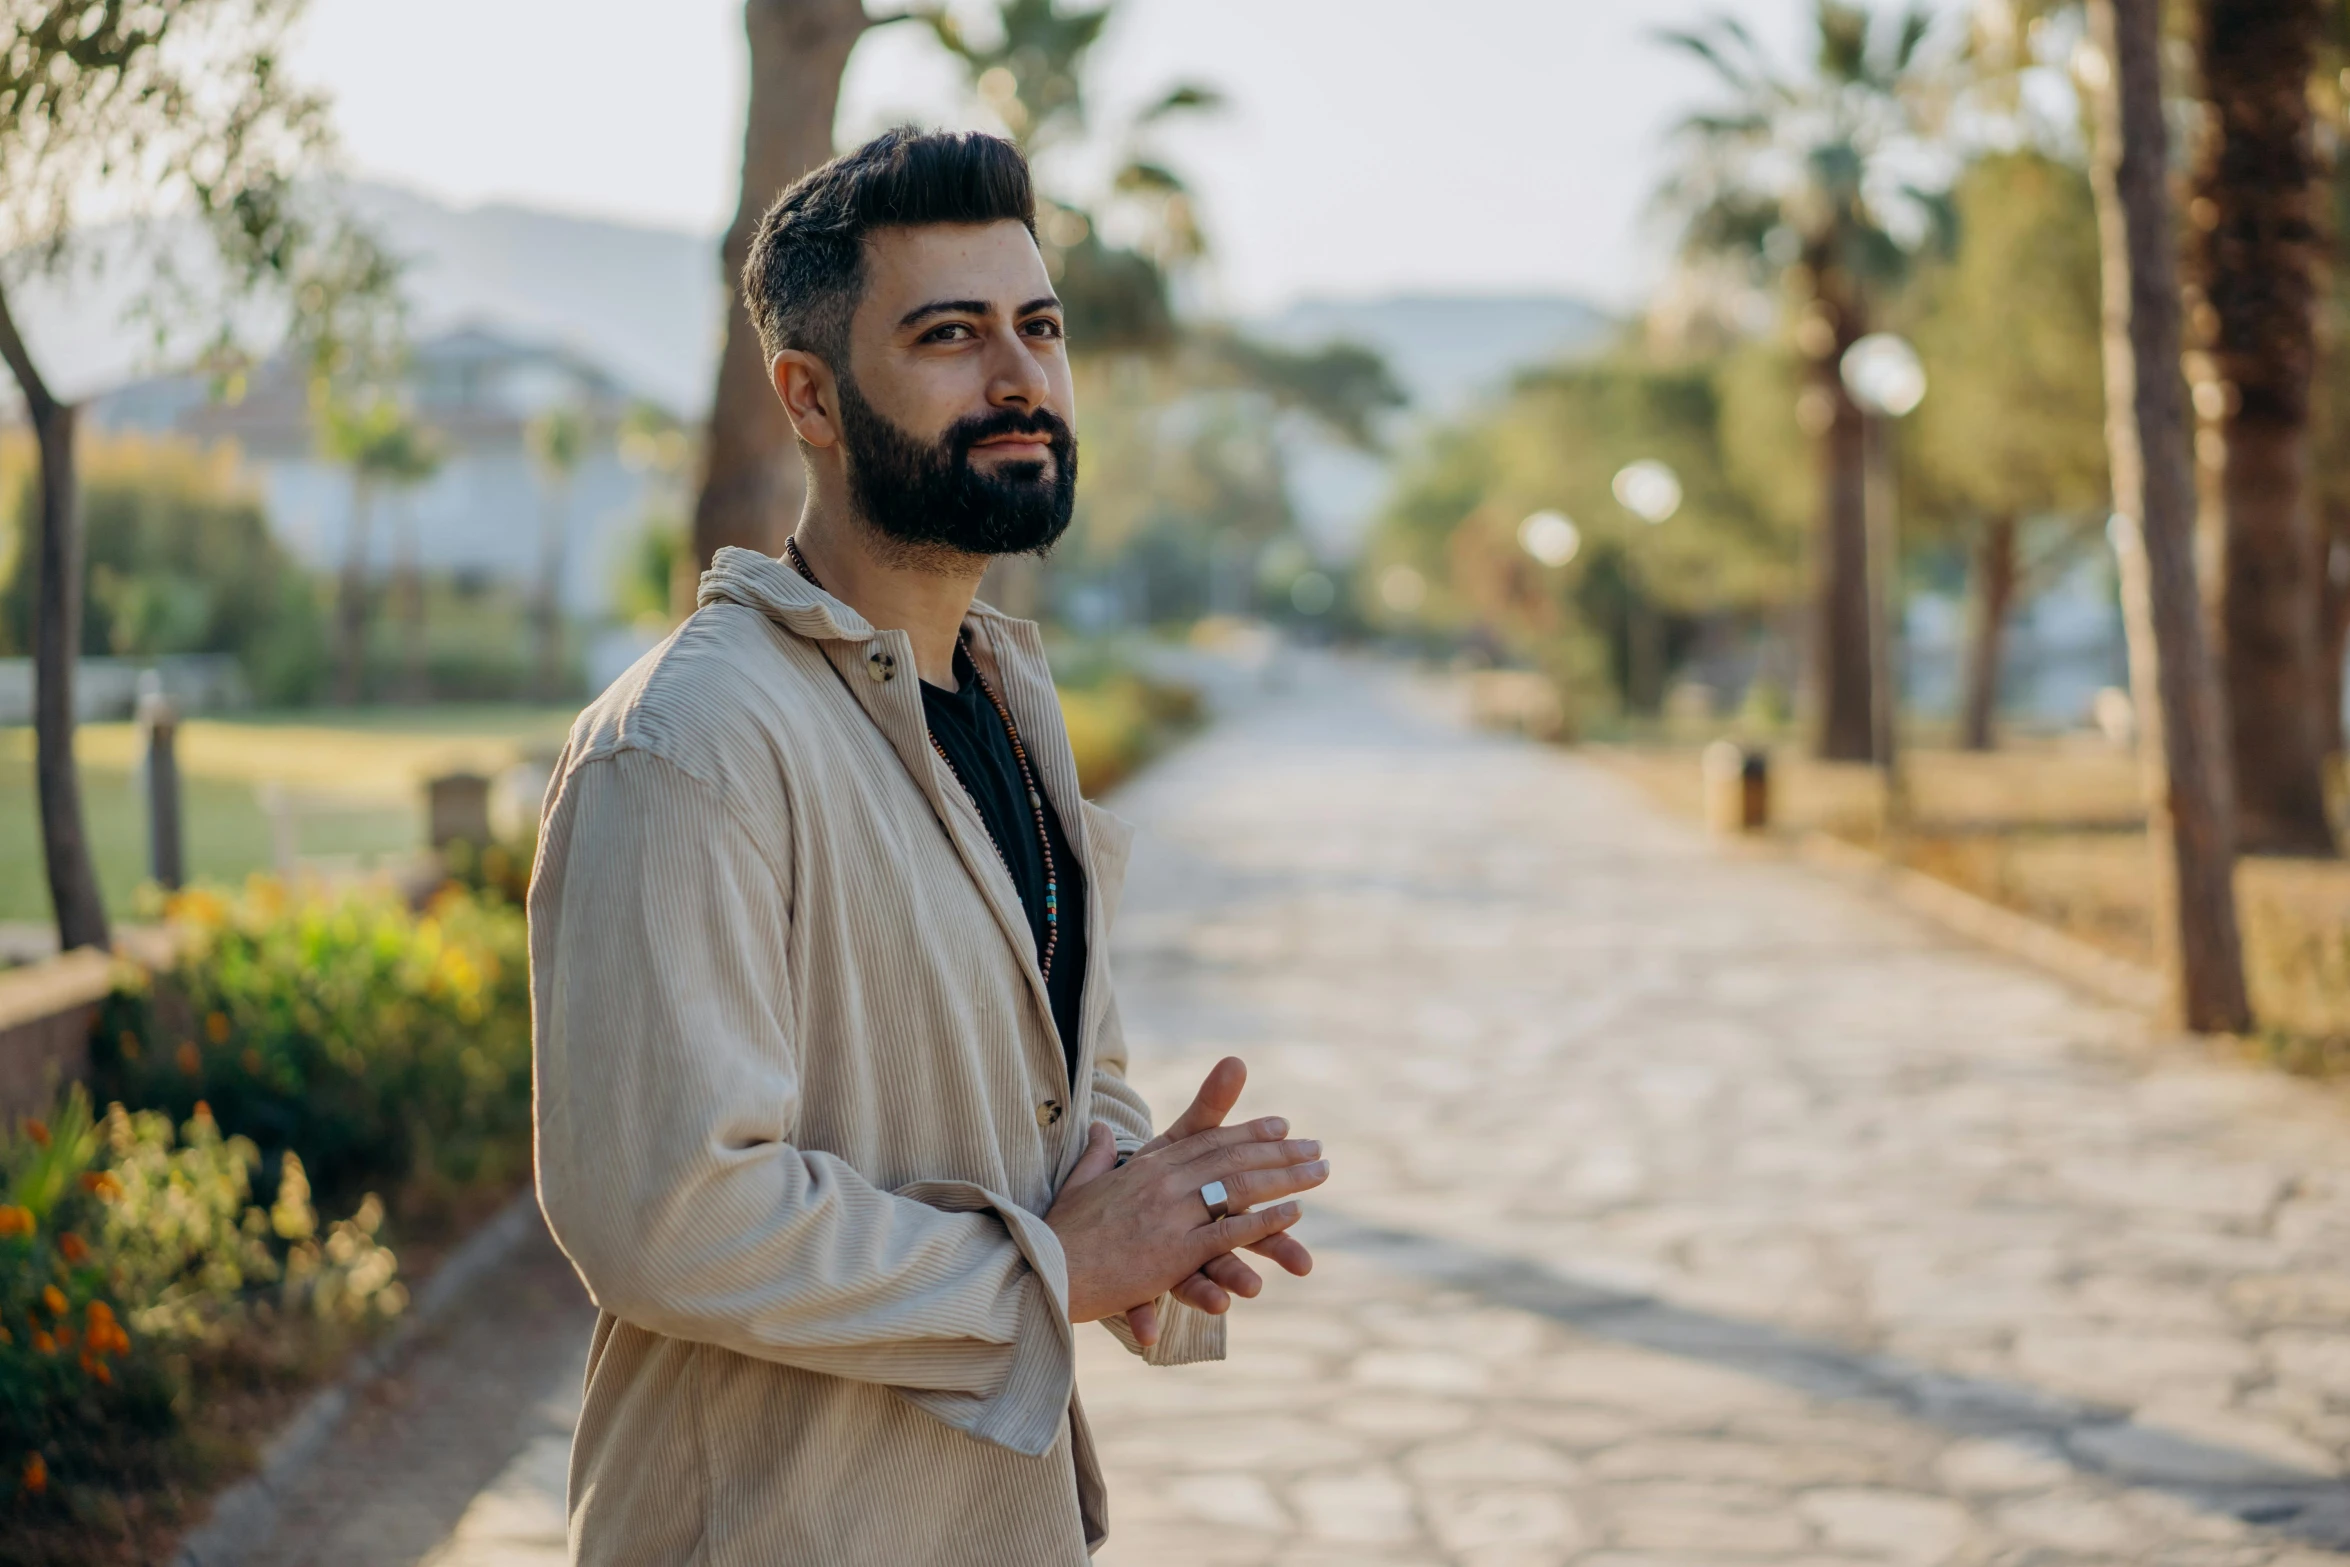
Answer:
[(2053, 828), (353, 781)]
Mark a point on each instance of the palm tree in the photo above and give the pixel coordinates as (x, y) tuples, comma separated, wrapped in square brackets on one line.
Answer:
[(750, 489), (2181, 747), (409, 461), (558, 441), (379, 442), (2258, 250), (1824, 182)]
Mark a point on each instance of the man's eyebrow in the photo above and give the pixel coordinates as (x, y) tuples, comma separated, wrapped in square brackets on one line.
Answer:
[(946, 307), (1046, 302)]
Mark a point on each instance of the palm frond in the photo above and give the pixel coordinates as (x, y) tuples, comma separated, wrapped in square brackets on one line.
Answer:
[(1188, 98)]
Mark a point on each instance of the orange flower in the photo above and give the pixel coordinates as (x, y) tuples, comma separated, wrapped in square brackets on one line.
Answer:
[(190, 1063), (97, 1370), (44, 1343), (53, 1298), (38, 1131), (216, 1027), (16, 1221), (36, 1474), (64, 1335), (102, 1183), (72, 1249)]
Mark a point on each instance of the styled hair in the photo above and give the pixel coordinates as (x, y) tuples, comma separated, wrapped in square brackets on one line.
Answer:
[(806, 270)]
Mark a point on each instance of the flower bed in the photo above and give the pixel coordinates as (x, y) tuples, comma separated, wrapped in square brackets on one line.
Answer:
[(169, 1254)]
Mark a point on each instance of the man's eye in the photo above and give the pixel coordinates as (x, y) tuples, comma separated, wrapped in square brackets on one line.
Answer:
[(1044, 326), (953, 331)]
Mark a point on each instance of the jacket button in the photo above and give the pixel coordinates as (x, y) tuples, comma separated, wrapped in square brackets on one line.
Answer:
[(881, 664), (1048, 1113)]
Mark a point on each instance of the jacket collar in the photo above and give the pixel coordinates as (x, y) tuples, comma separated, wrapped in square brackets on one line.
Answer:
[(772, 587)]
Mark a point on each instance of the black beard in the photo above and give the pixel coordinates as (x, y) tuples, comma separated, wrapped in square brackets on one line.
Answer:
[(931, 497)]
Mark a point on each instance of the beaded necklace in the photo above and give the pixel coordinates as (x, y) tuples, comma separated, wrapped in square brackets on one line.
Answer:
[(1044, 841)]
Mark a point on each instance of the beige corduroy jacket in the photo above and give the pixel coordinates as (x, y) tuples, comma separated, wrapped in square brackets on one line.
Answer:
[(801, 1105)]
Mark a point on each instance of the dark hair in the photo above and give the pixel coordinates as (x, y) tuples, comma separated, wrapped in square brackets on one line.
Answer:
[(806, 270)]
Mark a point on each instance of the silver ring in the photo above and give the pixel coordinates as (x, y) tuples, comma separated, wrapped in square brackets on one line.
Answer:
[(1219, 1200)]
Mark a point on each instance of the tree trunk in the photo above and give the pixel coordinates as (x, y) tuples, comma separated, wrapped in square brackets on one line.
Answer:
[(2190, 812), (1841, 645), (2333, 643), (414, 688), (547, 606), (751, 479), (57, 636), (1995, 580), (351, 600), (2257, 252)]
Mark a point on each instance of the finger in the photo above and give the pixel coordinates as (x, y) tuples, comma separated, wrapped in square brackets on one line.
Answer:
[(1218, 1093), (1207, 1144), (1099, 1159), (1236, 1230), (1144, 1321), (1235, 1275), (1202, 1293), (1286, 1251), (1248, 1188)]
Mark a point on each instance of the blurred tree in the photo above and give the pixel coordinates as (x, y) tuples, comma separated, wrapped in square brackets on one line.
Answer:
[(1557, 442), (406, 469), (2257, 250), (181, 560), (1826, 183), (384, 448), (751, 480), (2182, 745), (2329, 445), (2012, 442), (558, 443), (130, 111)]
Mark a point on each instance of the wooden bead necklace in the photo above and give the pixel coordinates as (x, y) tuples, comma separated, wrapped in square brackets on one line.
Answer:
[(1044, 840)]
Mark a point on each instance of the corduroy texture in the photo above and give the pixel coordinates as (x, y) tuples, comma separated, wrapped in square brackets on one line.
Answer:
[(801, 1106)]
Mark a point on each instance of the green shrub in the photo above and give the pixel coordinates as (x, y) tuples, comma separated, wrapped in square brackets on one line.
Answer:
[(386, 1048)]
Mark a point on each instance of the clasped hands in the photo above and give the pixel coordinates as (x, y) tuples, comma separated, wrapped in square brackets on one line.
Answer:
[(1133, 1232)]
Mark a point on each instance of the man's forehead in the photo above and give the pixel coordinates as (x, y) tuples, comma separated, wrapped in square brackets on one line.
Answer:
[(997, 262)]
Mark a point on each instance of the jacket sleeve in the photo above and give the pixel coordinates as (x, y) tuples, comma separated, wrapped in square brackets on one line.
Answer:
[(1186, 1335), (666, 1102)]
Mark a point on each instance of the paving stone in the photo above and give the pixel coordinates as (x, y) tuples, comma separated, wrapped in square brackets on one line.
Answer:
[(1899, 1526)]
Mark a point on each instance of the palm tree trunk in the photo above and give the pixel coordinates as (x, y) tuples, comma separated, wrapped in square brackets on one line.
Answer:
[(351, 600), (2333, 642), (751, 479), (413, 685), (2258, 251), (547, 606), (2190, 811), (57, 635), (1842, 671), (1995, 582)]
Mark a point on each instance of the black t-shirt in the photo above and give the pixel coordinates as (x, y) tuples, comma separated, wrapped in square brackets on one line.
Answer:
[(967, 727)]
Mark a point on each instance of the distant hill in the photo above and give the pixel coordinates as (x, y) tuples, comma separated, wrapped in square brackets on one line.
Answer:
[(1447, 349), (648, 304)]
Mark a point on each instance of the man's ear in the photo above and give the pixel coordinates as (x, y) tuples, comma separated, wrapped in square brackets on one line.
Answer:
[(810, 400)]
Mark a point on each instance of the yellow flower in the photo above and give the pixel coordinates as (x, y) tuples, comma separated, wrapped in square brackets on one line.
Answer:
[(53, 1298), (100, 1183)]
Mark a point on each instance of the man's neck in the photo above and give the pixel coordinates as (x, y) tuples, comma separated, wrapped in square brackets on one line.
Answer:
[(925, 596)]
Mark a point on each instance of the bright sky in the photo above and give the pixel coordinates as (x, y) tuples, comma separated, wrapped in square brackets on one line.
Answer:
[(1370, 146)]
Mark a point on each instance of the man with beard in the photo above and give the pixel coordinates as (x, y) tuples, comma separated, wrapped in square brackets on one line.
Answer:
[(831, 1100)]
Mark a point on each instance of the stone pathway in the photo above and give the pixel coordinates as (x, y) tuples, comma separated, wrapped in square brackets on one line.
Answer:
[(1689, 1209)]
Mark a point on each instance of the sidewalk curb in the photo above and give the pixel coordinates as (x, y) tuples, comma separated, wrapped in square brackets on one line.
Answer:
[(2112, 979), (244, 1517)]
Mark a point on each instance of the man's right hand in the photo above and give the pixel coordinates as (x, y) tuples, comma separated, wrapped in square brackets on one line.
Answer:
[(1130, 1233)]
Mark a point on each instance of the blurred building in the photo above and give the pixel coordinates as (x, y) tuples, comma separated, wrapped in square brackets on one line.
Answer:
[(480, 515)]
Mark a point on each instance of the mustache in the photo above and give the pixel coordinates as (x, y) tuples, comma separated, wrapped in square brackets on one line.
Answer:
[(968, 432)]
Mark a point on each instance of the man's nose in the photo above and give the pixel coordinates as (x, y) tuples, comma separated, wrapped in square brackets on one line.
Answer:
[(1015, 379)]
